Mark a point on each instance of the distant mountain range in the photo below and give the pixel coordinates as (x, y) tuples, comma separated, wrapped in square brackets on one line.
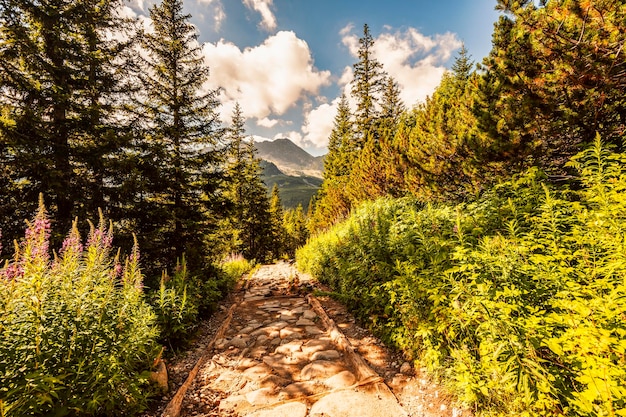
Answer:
[(290, 158), (297, 173)]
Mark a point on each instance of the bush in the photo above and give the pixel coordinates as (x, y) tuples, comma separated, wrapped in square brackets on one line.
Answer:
[(516, 301), (76, 337), (234, 267)]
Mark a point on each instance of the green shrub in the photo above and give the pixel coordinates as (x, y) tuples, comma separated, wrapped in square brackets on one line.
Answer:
[(76, 337), (175, 306), (516, 301), (234, 267)]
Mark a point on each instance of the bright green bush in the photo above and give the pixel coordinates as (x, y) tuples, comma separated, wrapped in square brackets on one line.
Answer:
[(516, 301), (76, 337), (234, 267)]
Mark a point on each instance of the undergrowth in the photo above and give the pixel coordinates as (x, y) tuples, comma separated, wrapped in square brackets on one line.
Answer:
[(517, 301), (76, 336)]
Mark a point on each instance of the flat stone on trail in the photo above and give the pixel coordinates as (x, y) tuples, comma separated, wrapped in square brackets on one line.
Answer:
[(246, 363), (325, 355), (261, 396), (309, 315), (317, 345), (321, 369), (351, 404), (239, 342), (305, 322), (291, 347), (257, 372), (285, 410), (299, 390), (343, 379), (313, 331)]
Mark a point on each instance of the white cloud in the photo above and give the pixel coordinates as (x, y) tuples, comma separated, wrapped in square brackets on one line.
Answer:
[(295, 137), (268, 20), (318, 124), (216, 9), (267, 122), (414, 60), (266, 79)]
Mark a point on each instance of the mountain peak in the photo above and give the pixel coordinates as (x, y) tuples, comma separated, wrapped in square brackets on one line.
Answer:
[(289, 157)]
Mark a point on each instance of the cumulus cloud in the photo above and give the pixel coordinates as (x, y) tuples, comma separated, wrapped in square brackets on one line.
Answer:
[(266, 79), (295, 137), (267, 122), (318, 123), (216, 8), (268, 20), (414, 60)]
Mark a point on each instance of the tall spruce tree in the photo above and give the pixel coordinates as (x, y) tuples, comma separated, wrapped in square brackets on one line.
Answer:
[(180, 157), (368, 84), (277, 231), (255, 217), (61, 72), (247, 227)]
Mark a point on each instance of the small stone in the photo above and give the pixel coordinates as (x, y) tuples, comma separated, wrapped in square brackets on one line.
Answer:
[(406, 369), (285, 410), (298, 390), (289, 348), (305, 322), (290, 334), (261, 339), (317, 345), (325, 355), (320, 369), (261, 396), (257, 372), (313, 331), (239, 342), (309, 315), (343, 379), (246, 363)]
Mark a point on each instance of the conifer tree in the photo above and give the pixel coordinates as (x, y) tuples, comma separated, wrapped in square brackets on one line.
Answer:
[(295, 227), (255, 217), (340, 143), (180, 157), (368, 84), (61, 72), (277, 234), (555, 77)]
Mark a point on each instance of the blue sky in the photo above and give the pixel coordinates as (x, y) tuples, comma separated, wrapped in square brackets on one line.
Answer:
[(286, 62)]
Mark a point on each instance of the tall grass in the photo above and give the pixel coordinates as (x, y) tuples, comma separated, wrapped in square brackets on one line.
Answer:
[(517, 302), (76, 336)]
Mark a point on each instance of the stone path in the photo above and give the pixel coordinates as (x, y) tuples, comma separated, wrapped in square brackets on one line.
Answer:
[(281, 357)]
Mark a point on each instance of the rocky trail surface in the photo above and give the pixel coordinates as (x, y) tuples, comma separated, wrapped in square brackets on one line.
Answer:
[(278, 353)]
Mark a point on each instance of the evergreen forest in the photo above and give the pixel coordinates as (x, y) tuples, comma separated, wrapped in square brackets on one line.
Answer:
[(482, 231)]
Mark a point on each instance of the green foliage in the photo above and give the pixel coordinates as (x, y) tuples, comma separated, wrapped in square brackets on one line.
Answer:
[(175, 307), (76, 336), (516, 301), (234, 267)]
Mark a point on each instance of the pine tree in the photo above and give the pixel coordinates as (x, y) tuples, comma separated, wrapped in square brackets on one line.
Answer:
[(255, 218), (61, 73), (368, 84), (340, 143), (555, 77), (277, 232), (295, 227), (180, 157)]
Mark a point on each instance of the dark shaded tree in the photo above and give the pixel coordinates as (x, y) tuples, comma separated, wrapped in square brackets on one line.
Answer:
[(179, 156), (62, 76)]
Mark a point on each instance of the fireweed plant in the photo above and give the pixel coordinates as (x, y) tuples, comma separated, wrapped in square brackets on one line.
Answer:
[(76, 335)]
